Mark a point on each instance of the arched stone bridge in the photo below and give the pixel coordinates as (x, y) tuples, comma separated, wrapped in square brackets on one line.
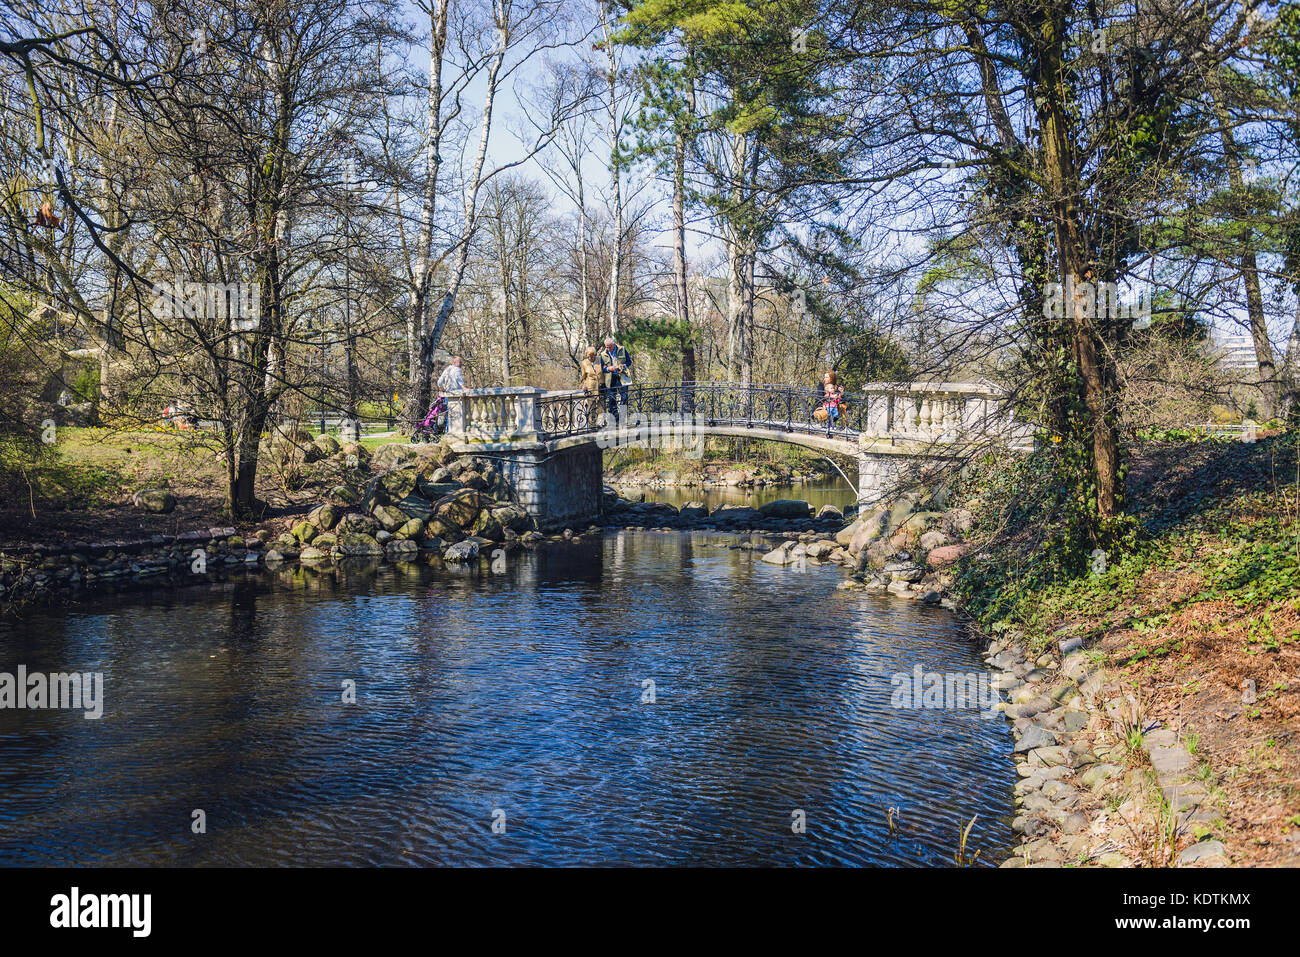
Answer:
[(549, 443)]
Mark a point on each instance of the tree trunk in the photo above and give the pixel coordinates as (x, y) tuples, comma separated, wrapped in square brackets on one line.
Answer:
[(417, 319), (429, 342), (1095, 379), (1268, 385), (616, 183), (679, 258)]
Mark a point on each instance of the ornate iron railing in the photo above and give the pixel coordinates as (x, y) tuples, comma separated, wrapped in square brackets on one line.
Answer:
[(947, 412), (930, 413)]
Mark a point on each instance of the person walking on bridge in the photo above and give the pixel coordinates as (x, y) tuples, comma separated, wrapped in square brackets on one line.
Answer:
[(833, 401), (452, 378), (616, 365), (592, 384)]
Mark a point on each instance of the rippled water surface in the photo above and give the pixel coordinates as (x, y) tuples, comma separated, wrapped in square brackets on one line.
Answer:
[(516, 695)]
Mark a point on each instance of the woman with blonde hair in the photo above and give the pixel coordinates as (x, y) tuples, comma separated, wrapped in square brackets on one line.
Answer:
[(592, 383)]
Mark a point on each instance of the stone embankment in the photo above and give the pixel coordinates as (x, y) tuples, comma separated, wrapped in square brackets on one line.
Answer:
[(1098, 786)]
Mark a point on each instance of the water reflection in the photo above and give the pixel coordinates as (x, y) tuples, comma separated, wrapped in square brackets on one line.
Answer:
[(519, 692)]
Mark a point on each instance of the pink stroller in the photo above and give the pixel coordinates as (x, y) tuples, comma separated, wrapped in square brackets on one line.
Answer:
[(434, 424)]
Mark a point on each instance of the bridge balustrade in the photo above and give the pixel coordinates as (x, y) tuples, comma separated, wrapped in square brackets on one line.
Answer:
[(929, 413)]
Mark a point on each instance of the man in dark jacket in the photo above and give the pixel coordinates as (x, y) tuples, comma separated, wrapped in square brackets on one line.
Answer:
[(616, 365)]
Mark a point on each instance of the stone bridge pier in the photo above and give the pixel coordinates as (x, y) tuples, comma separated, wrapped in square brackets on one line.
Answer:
[(558, 483)]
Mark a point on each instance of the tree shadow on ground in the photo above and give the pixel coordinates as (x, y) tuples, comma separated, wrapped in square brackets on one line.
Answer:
[(1171, 483)]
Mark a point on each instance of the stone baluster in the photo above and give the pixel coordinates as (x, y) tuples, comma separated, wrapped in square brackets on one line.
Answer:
[(877, 413)]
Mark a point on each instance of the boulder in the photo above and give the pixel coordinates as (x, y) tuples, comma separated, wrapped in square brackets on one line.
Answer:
[(736, 514), (313, 554), (783, 554), (465, 551), (324, 540), (821, 549), (694, 511), (400, 482), (829, 513), (649, 513), (358, 451), (916, 523), (1207, 851), (311, 453), (413, 528), (356, 522), (401, 549), (869, 528), (324, 516), (498, 487), (488, 526), (392, 455), (845, 535), (945, 555), (513, 517), (904, 571), (866, 527), (458, 510), (156, 500), (428, 488), (474, 480), (415, 506), (961, 520), (304, 532), (354, 544), (785, 508), (389, 518), (327, 444), (344, 495), (932, 540)]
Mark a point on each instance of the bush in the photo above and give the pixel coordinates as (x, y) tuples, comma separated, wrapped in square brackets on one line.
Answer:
[(1032, 530), (21, 448), (86, 385)]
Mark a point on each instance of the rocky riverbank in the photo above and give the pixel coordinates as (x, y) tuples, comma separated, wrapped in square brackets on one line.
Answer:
[(399, 503), (676, 474), (1098, 785)]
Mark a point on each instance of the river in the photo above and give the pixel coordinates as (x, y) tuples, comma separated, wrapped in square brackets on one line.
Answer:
[(518, 697)]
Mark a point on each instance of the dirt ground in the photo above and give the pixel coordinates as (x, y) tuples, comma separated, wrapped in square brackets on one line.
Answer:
[(84, 494), (1223, 671)]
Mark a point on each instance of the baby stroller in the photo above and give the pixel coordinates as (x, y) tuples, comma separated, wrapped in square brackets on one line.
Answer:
[(434, 424)]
